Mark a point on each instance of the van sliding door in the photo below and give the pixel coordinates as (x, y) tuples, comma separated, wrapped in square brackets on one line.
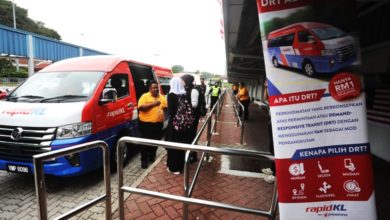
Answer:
[(141, 75)]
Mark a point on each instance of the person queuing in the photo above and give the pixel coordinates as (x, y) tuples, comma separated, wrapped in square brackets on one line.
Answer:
[(176, 97), (235, 89), (202, 86), (194, 95), (243, 97), (215, 91), (151, 108)]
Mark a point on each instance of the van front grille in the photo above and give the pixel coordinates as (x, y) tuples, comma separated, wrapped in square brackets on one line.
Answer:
[(24, 142), (346, 53)]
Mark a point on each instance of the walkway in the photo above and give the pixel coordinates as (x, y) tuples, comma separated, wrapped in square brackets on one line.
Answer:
[(223, 178)]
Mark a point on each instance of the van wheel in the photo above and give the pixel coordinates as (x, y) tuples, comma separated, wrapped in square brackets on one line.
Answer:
[(308, 68), (114, 158), (275, 62)]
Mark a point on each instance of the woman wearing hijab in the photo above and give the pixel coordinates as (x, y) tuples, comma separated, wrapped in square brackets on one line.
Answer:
[(193, 95), (175, 158)]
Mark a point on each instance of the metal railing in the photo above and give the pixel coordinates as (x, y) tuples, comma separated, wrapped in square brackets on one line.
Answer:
[(240, 121), (188, 188), (211, 128), (271, 213), (40, 179)]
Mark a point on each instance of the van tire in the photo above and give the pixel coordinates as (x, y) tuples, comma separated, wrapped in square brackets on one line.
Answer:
[(275, 62), (308, 68), (114, 156)]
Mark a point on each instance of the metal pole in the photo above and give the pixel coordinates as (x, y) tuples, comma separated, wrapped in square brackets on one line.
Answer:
[(14, 18), (242, 132), (40, 186), (209, 130), (119, 159), (13, 13), (107, 182), (186, 184)]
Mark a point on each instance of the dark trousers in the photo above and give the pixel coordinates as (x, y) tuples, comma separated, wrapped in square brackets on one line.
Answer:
[(175, 158), (245, 103), (213, 100), (153, 131)]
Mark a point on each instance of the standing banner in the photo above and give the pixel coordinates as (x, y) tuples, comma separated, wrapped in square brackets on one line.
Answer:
[(318, 113)]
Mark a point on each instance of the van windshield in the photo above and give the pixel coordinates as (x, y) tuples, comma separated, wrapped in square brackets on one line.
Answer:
[(57, 87), (328, 33)]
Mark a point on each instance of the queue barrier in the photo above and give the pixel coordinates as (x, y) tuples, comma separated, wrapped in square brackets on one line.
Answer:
[(40, 187), (240, 120), (188, 188), (271, 213)]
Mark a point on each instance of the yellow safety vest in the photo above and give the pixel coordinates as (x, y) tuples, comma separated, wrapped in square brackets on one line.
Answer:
[(215, 91)]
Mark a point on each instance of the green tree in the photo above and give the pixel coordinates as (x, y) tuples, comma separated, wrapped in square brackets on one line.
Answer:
[(5, 64), (23, 22), (177, 68), (8, 70)]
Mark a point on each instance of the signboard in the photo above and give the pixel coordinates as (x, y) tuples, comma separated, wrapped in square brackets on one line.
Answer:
[(317, 103)]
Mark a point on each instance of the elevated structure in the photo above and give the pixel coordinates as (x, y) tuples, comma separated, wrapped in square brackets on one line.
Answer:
[(17, 43)]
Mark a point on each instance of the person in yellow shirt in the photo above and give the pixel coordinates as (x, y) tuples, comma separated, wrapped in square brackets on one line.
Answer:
[(235, 89), (243, 97), (151, 108)]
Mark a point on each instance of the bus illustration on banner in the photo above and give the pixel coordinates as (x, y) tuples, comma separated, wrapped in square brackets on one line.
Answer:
[(311, 47)]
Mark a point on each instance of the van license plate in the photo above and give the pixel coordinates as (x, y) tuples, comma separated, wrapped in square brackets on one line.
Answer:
[(18, 168)]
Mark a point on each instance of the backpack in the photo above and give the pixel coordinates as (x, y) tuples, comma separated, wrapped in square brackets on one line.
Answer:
[(201, 102), (184, 118)]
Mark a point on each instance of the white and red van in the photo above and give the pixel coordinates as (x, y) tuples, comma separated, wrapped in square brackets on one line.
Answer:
[(311, 47), (71, 102)]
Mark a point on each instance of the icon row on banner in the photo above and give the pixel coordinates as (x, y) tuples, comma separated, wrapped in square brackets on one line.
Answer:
[(297, 169)]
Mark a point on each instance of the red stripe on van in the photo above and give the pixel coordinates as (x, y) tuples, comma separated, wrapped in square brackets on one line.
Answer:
[(284, 60)]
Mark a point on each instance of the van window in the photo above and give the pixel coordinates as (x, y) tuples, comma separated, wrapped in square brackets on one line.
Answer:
[(326, 33), (57, 87), (120, 82), (305, 37), (282, 41), (288, 40)]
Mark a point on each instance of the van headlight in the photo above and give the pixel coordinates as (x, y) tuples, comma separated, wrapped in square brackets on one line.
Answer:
[(74, 130)]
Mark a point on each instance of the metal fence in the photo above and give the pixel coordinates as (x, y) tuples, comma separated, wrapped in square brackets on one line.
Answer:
[(40, 179), (188, 188), (10, 82)]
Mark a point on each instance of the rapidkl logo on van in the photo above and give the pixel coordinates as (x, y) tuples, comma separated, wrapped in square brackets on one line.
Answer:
[(24, 111)]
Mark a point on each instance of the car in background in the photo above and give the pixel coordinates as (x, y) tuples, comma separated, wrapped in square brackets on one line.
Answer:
[(3, 93)]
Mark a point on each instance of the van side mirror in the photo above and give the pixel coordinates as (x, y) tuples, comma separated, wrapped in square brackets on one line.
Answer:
[(109, 95)]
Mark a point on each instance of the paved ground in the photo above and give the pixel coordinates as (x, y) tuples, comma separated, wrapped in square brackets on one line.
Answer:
[(18, 199)]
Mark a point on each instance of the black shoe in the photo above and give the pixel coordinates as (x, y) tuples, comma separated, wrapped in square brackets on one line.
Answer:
[(193, 159), (152, 157), (144, 164)]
